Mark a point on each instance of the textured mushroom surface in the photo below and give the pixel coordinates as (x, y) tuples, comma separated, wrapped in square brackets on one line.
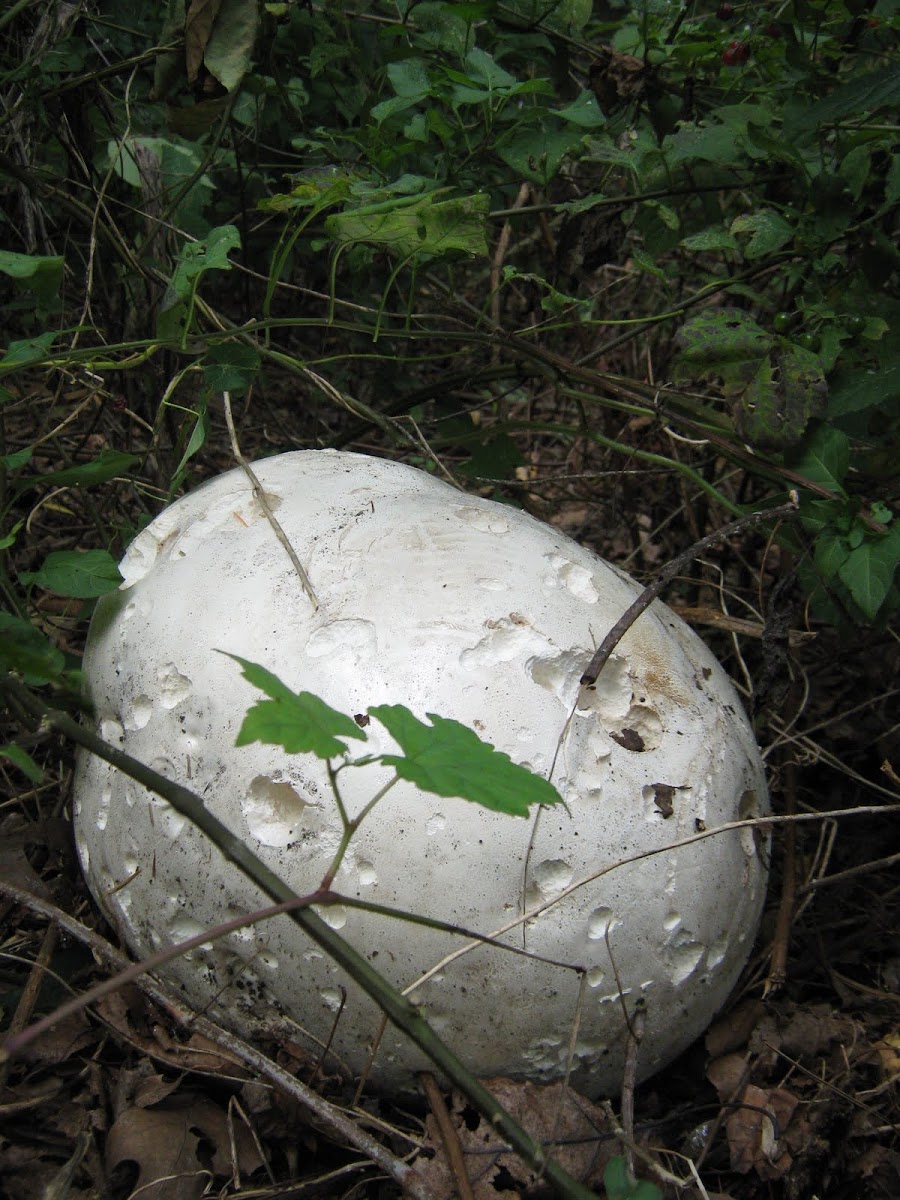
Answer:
[(448, 604)]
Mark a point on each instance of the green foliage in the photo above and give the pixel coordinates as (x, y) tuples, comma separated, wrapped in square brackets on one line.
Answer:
[(301, 723), (85, 574), (364, 200), (620, 1186), (448, 759), (445, 757)]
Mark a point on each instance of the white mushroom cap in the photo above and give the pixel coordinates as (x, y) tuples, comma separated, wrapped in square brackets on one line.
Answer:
[(459, 606)]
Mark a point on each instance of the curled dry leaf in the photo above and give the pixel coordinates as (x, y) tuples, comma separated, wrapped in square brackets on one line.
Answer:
[(757, 1122)]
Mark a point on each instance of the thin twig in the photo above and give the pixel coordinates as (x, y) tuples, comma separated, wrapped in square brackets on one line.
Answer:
[(667, 574), (336, 1122), (449, 1136), (261, 498), (787, 903)]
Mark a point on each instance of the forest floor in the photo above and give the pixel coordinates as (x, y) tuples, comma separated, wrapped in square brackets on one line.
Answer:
[(792, 1093)]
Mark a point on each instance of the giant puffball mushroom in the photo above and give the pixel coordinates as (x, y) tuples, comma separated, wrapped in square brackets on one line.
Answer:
[(448, 604)]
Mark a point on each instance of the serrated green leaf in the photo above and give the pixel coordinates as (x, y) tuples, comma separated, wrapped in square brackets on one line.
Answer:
[(725, 344), (81, 574), (449, 759), (298, 721), (26, 650), (786, 393), (23, 760), (768, 232), (868, 571)]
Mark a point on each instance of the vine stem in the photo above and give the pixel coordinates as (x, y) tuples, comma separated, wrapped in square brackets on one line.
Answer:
[(668, 573)]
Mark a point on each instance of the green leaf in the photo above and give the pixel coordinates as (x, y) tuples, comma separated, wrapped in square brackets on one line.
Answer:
[(426, 226), (299, 722), (448, 759), (481, 67), (27, 350), (231, 367), (19, 458), (823, 457), (227, 54), (620, 1186), (864, 93), (107, 465), (583, 112), (853, 391), (831, 552), (714, 238), (23, 760), (410, 78), (42, 273), (786, 392), (537, 153), (9, 539), (82, 574), (193, 260), (768, 232), (26, 650), (868, 571), (724, 343)]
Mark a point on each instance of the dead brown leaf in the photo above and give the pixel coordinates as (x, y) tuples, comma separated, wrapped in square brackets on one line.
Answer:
[(573, 1129), (734, 1029), (144, 1026), (201, 17), (179, 1147)]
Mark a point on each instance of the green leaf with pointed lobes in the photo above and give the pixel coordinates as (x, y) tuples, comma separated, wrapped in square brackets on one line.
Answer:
[(449, 759)]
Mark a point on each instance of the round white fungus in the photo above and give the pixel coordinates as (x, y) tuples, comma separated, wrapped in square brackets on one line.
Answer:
[(458, 606)]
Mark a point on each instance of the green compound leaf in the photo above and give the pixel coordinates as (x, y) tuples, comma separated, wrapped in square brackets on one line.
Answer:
[(298, 721), (448, 759), (82, 574)]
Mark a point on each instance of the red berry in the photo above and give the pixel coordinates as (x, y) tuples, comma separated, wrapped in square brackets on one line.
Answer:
[(772, 30), (737, 52), (725, 11)]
